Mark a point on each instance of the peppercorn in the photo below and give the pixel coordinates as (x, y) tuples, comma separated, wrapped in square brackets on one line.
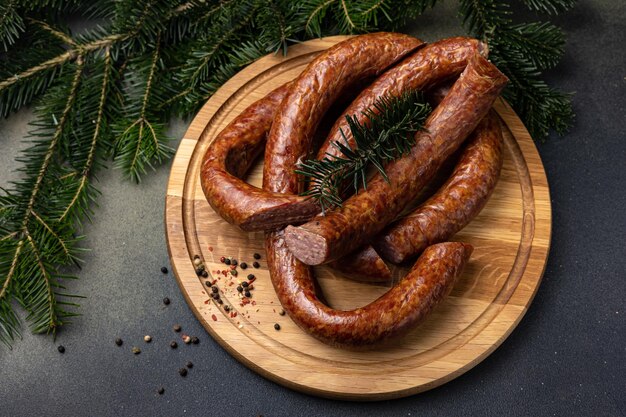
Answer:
[(164, 270), (227, 261), (233, 273), (147, 339), (244, 284), (119, 342), (215, 289), (256, 256), (209, 284), (233, 261), (219, 301), (166, 301), (215, 295), (161, 391), (247, 294), (222, 259), (61, 349), (173, 344), (197, 261), (189, 365), (199, 271), (136, 350), (250, 276), (177, 328), (195, 340), (256, 264), (182, 372), (239, 288), (186, 339), (205, 274), (243, 265), (226, 308), (282, 312), (276, 326)]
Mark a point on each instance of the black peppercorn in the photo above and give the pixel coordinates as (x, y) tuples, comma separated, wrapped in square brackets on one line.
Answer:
[(182, 371), (173, 344), (161, 391), (215, 296), (277, 326), (243, 265), (233, 261), (226, 308), (233, 272), (247, 294), (244, 284), (177, 328), (250, 276), (227, 261), (239, 288), (199, 271), (215, 289), (219, 301), (61, 349), (281, 312), (195, 340), (119, 342), (164, 270), (205, 274), (166, 301), (256, 256), (256, 264), (189, 365)]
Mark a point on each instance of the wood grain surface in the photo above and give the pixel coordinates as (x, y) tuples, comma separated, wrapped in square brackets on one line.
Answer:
[(511, 237)]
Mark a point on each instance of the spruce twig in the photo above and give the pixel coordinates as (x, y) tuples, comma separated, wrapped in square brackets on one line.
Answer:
[(387, 133)]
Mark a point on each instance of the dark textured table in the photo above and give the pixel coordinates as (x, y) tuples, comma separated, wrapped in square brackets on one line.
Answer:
[(566, 358)]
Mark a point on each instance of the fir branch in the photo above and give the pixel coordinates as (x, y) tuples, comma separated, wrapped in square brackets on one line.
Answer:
[(521, 52), (141, 142), (11, 23), (550, 6), (387, 133)]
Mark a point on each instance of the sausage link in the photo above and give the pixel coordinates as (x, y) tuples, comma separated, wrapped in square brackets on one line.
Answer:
[(365, 265), (230, 154), (398, 310), (229, 157), (456, 203), (422, 70), (325, 78), (362, 216)]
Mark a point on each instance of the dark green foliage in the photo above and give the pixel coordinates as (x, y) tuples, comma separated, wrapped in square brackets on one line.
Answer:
[(522, 51), (388, 132), (107, 94)]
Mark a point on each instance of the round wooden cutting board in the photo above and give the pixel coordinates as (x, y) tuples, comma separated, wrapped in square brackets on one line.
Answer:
[(511, 237)]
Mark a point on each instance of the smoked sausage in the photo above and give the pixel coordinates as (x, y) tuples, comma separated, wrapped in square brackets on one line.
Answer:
[(362, 216), (456, 203)]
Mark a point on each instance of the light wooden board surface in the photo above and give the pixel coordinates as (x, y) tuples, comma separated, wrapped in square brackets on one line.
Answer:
[(511, 237)]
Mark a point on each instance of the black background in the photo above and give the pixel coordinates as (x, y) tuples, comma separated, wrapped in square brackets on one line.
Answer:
[(566, 357)]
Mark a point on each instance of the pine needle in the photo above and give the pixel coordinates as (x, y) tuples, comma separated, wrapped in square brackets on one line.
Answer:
[(387, 133)]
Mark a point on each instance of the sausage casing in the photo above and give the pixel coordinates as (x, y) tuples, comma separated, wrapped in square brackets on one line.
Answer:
[(456, 203), (362, 216)]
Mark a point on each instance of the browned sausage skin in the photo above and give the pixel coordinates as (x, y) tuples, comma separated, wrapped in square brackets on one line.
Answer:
[(456, 203), (325, 78), (427, 67), (229, 155), (364, 265), (400, 309), (362, 216)]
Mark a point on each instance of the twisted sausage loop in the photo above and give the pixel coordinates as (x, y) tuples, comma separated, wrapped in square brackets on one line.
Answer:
[(362, 216), (456, 203), (252, 208), (435, 272)]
